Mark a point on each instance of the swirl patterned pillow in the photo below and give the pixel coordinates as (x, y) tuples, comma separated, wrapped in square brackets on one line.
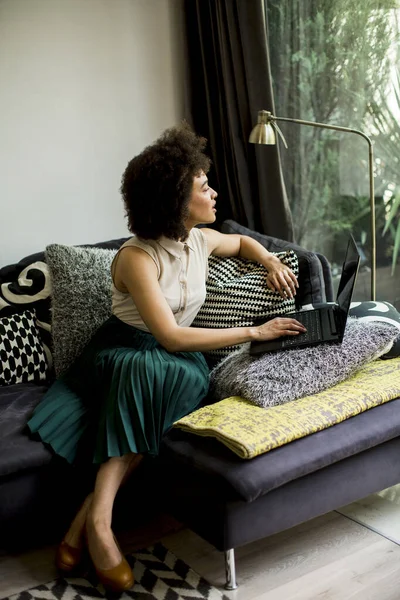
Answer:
[(238, 296), (22, 358), (26, 286), (383, 312)]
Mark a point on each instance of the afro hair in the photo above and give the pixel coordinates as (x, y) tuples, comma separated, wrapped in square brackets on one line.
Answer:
[(157, 184)]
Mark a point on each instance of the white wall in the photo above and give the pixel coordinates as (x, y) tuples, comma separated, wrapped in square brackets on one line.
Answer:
[(84, 86)]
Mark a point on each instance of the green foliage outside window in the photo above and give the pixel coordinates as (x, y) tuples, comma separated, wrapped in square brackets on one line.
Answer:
[(335, 62)]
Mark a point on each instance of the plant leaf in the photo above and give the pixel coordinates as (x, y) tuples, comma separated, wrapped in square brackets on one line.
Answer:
[(392, 213), (396, 248)]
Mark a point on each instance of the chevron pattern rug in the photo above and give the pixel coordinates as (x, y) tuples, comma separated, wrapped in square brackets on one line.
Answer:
[(159, 575)]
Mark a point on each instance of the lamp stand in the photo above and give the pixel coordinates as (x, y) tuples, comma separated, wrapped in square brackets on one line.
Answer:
[(265, 118)]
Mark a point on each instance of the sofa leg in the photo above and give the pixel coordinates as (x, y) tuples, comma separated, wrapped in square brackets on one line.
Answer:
[(230, 570)]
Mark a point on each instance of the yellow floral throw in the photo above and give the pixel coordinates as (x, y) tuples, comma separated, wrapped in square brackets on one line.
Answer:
[(249, 430)]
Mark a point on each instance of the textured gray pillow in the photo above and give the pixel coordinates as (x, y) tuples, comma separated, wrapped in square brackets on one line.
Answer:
[(277, 377), (81, 297)]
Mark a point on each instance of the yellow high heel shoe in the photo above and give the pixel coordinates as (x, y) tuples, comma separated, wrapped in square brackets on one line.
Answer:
[(118, 579), (68, 558)]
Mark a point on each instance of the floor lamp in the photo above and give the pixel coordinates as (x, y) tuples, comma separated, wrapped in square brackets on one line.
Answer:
[(264, 133)]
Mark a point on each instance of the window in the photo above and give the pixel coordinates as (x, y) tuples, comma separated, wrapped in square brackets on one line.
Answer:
[(338, 63)]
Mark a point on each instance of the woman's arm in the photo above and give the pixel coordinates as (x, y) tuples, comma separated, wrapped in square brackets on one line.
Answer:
[(137, 272), (280, 277)]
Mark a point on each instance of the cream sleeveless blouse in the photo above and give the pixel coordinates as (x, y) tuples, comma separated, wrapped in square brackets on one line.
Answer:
[(182, 269)]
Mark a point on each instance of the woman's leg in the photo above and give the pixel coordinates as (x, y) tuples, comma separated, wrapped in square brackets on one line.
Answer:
[(69, 552), (111, 475), (75, 534)]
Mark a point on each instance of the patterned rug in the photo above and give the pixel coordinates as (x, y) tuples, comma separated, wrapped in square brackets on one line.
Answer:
[(159, 575)]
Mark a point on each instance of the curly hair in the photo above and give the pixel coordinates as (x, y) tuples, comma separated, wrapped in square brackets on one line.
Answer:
[(157, 184)]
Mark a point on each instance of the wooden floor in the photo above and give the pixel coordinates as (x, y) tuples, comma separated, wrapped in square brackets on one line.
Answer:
[(329, 558)]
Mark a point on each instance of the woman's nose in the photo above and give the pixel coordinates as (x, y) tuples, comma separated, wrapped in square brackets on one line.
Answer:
[(214, 194)]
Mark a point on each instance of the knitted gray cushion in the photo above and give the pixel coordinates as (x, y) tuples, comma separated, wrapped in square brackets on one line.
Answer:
[(277, 377), (81, 297)]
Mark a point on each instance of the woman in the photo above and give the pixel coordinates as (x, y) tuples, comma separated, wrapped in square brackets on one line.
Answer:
[(143, 369)]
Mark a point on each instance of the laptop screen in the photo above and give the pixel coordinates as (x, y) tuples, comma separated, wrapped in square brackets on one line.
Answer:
[(348, 277)]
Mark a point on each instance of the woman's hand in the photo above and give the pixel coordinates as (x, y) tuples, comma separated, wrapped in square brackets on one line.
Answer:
[(278, 327), (281, 279)]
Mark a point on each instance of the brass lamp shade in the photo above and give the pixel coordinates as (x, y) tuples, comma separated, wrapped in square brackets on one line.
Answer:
[(263, 132)]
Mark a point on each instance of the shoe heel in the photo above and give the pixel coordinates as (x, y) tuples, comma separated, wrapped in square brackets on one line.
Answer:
[(68, 558), (117, 580)]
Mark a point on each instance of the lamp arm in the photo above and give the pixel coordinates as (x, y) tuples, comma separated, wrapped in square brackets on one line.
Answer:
[(371, 184)]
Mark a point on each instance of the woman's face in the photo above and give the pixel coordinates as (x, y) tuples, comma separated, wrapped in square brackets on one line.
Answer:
[(202, 202)]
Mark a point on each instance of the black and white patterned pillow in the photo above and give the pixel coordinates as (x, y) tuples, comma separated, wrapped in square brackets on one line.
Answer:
[(383, 312), (238, 296), (27, 286), (22, 356)]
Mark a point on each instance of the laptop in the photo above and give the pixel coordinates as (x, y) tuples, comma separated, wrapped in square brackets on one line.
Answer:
[(326, 322)]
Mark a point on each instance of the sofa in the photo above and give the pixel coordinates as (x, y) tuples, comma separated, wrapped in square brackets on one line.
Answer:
[(225, 499)]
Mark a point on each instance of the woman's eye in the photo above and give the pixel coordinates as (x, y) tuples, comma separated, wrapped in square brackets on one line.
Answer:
[(206, 189)]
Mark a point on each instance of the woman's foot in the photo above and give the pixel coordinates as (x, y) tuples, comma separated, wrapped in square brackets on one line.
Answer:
[(68, 558), (119, 579), (70, 551), (111, 567)]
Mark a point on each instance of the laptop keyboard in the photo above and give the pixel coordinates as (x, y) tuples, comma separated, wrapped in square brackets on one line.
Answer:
[(312, 323)]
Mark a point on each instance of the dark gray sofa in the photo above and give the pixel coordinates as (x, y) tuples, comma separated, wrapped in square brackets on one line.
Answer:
[(227, 500), (231, 502), (39, 492)]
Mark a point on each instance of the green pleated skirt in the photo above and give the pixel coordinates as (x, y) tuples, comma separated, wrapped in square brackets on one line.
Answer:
[(121, 395)]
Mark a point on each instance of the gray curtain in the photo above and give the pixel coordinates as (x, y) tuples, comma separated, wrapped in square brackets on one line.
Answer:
[(230, 81)]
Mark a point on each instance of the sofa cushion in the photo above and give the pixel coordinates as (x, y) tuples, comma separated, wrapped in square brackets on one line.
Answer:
[(81, 297), (274, 378), (22, 356), (238, 296), (315, 279), (18, 451), (26, 285), (250, 479), (250, 430), (382, 312)]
